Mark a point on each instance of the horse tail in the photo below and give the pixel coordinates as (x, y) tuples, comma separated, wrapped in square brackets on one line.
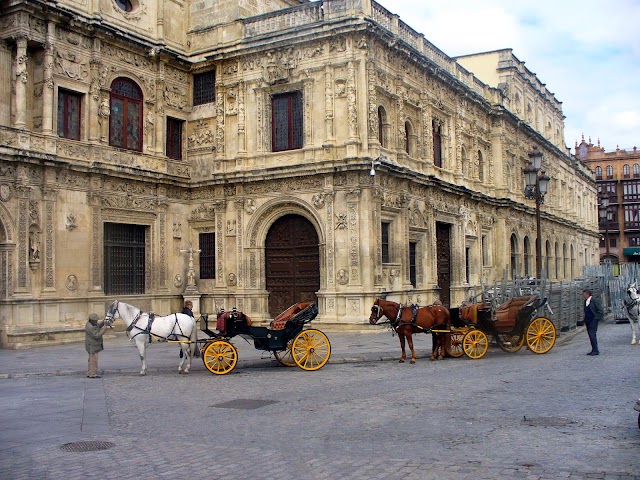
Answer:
[(193, 337)]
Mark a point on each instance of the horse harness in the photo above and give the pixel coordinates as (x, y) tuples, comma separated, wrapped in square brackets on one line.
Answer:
[(147, 329)]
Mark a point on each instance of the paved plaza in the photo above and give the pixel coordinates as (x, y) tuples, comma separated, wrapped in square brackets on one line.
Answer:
[(363, 416)]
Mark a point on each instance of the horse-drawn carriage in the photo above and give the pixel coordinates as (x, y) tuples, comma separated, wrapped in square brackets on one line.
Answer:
[(465, 330), (511, 324), (285, 337)]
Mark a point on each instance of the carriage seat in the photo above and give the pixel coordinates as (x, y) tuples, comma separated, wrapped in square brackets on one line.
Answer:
[(506, 315), (281, 320), (469, 313)]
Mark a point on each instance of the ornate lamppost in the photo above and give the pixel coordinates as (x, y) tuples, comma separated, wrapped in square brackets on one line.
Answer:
[(537, 182), (606, 215)]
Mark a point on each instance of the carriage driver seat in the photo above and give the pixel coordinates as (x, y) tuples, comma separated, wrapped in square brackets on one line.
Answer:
[(507, 313), (281, 320)]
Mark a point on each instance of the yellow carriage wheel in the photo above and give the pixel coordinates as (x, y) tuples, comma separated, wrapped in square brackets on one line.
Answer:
[(219, 357), (509, 342), (475, 344), (541, 335), (285, 357), (453, 344), (311, 349)]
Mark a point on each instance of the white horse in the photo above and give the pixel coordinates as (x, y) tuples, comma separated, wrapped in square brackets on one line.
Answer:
[(632, 306), (176, 327)]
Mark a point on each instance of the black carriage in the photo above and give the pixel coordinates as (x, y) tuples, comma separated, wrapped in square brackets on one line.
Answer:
[(511, 324), (286, 337)]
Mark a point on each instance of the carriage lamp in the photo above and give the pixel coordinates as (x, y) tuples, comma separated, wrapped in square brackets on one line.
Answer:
[(537, 186)]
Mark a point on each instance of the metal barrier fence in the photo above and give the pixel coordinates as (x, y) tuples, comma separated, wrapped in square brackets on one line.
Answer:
[(564, 298)]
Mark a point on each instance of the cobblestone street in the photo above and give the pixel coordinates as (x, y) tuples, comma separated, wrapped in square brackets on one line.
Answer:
[(559, 415)]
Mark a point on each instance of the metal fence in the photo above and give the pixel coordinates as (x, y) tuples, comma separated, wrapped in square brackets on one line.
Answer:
[(565, 300)]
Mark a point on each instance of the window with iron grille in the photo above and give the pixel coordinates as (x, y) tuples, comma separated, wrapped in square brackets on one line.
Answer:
[(174, 138), (69, 110), (413, 272), (125, 121), (204, 87), (124, 259), (287, 121), (207, 255), (386, 257)]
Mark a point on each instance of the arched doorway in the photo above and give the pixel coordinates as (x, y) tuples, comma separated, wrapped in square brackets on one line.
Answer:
[(292, 257)]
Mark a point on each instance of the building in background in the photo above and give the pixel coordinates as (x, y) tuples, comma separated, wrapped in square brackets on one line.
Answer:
[(618, 179), (258, 154)]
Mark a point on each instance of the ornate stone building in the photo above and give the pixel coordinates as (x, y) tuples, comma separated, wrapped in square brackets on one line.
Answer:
[(618, 179), (223, 150)]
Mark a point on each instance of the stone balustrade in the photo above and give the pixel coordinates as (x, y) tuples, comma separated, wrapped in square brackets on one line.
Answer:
[(284, 19)]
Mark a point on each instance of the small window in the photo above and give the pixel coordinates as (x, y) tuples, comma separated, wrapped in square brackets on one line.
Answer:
[(125, 5), (413, 277), (437, 144), (207, 255), (467, 262), (124, 259), (69, 110), (626, 171), (287, 121), (386, 257), (636, 170), (609, 171), (382, 120), (407, 137), (204, 90), (613, 242), (598, 173), (174, 138)]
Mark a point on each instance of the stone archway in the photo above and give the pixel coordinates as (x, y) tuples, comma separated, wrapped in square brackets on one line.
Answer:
[(292, 263)]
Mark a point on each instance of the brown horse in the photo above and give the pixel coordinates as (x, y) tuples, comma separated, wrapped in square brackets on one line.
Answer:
[(434, 317)]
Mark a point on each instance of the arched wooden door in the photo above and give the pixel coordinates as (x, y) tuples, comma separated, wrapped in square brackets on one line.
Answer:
[(292, 256)]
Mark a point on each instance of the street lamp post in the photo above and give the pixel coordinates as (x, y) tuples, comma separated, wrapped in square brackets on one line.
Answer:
[(606, 215), (537, 182)]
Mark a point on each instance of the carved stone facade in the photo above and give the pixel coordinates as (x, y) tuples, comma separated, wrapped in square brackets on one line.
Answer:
[(209, 169)]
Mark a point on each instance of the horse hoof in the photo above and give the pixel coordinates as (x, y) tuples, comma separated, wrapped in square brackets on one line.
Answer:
[(412, 362), (142, 374), (401, 361), (633, 342)]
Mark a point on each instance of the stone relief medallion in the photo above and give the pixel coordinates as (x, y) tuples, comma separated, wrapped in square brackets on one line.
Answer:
[(71, 283), (231, 279), (177, 280), (343, 276)]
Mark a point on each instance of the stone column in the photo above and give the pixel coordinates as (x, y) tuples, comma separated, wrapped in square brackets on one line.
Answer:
[(239, 202), (242, 139), (353, 224), (220, 207), (23, 193), (47, 88), (159, 113), (22, 76), (329, 137)]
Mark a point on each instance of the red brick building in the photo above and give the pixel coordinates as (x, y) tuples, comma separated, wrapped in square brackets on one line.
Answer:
[(618, 178)]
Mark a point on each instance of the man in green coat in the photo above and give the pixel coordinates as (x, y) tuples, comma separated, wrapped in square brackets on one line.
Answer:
[(93, 343)]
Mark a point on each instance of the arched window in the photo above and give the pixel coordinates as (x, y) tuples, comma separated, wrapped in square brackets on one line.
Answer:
[(598, 173), (382, 120), (636, 170), (480, 166), (407, 137), (514, 255), (527, 257), (437, 143), (547, 262), (626, 171), (609, 171), (125, 122)]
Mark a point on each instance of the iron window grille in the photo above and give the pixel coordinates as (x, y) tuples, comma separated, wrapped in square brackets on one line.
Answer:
[(124, 259), (204, 87), (207, 247)]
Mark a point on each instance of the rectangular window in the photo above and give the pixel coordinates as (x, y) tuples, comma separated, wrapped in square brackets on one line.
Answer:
[(485, 252), (287, 121), (631, 190), (467, 255), (174, 138), (632, 216), (124, 259), (613, 242), (207, 255), (69, 109), (386, 257), (437, 144), (204, 87), (413, 277), (634, 240)]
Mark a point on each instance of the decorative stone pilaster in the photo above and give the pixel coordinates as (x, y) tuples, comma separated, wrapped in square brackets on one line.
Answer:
[(50, 195), (239, 203), (242, 140), (352, 107), (22, 77), (353, 207), (220, 206), (23, 193), (328, 105)]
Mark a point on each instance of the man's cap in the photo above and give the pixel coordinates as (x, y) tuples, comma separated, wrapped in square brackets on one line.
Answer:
[(94, 317)]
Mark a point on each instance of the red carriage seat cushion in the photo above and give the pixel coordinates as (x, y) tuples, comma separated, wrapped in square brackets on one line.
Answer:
[(505, 316), (281, 320)]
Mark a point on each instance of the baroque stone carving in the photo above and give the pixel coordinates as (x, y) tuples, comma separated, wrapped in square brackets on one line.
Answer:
[(341, 221), (175, 96), (73, 66), (71, 283), (343, 276)]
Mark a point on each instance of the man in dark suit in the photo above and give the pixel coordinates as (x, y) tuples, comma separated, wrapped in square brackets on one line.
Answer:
[(593, 313)]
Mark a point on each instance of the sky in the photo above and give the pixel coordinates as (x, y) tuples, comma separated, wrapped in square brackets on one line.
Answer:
[(586, 52)]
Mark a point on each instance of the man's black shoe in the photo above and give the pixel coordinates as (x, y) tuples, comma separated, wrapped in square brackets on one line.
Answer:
[(595, 353)]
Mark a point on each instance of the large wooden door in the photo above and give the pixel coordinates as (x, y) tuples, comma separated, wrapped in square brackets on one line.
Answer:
[(292, 255), (443, 261)]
